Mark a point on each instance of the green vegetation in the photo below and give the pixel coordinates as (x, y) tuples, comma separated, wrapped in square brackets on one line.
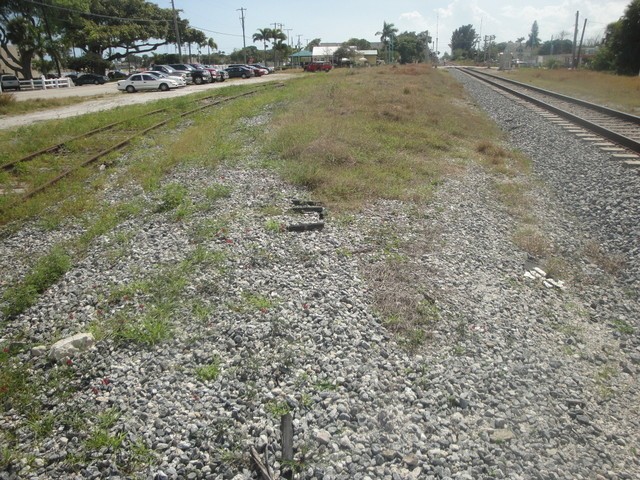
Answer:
[(618, 92), (273, 226), (47, 270), (172, 196), (278, 409), (209, 372), (367, 140)]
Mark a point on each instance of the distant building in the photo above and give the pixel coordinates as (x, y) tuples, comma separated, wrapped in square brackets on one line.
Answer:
[(325, 52)]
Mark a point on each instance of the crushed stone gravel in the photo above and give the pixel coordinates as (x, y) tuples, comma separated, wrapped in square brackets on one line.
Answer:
[(515, 379)]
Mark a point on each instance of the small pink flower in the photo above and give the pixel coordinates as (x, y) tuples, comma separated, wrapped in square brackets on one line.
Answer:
[(69, 362)]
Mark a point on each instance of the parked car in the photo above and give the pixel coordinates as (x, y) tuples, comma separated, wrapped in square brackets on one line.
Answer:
[(169, 70), (239, 72), (199, 75), (179, 79), (215, 75), (260, 65), (145, 81), (318, 67), (222, 75), (257, 72), (9, 82), (72, 76), (116, 75), (90, 78)]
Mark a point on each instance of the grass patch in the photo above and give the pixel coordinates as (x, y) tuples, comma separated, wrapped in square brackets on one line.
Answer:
[(610, 263), (367, 140), (10, 106), (209, 372), (47, 270), (532, 241), (273, 226), (615, 91), (623, 327), (172, 197), (278, 409)]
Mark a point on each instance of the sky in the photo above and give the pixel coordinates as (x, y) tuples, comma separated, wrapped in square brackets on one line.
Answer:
[(340, 20)]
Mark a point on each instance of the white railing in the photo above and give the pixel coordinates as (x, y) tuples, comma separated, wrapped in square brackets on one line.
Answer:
[(40, 84)]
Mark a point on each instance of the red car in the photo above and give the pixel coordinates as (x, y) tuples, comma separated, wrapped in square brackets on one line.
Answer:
[(318, 67)]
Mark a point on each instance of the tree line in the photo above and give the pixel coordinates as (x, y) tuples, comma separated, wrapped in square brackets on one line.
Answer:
[(618, 52), (46, 35)]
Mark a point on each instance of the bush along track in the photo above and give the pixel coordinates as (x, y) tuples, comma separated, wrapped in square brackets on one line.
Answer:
[(403, 338)]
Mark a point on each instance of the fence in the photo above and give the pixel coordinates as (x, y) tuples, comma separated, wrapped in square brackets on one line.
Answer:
[(40, 84)]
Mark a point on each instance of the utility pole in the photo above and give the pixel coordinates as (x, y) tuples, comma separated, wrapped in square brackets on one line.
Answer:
[(580, 46), (437, 52), (175, 25), (288, 35), (244, 40), (575, 39), (299, 37)]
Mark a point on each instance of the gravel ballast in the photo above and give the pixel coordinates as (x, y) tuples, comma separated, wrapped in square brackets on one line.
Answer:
[(512, 379)]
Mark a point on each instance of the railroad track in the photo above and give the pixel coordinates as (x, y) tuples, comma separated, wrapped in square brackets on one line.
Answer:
[(614, 131), (31, 174)]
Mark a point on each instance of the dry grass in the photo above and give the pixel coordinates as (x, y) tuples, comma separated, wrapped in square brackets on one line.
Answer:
[(390, 132), (502, 161), (532, 241), (610, 263), (17, 108), (619, 92), (405, 310), (515, 196)]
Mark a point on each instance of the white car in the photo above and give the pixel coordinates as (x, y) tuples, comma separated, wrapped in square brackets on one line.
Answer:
[(146, 81), (179, 79)]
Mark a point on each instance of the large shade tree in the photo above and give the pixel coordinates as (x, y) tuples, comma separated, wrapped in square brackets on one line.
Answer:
[(29, 31), (114, 29), (462, 41), (413, 47), (621, 49)]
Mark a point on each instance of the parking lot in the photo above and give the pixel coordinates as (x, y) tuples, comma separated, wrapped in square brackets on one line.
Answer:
[(109, 97)]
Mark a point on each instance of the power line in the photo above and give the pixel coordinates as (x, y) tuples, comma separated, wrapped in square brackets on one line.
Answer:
[(97, 15), (110, 17)]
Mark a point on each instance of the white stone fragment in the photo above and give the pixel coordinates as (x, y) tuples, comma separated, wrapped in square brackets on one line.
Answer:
[(70, 346), (540, 271)]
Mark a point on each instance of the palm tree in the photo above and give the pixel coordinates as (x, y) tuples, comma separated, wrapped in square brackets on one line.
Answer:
[(211, 45), (277, 36), (387, 35), (263, 35)]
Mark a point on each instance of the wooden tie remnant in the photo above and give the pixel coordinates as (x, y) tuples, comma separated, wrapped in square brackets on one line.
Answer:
[(304, 206)]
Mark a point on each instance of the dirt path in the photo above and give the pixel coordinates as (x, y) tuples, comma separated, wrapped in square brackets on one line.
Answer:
[(111, 98)]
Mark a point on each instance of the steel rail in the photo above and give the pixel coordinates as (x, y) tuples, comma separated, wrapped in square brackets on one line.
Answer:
[(118, 146), (622, 140), (58, 146)]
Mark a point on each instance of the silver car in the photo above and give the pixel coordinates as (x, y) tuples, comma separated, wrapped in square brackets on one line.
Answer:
[(9, 82)]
